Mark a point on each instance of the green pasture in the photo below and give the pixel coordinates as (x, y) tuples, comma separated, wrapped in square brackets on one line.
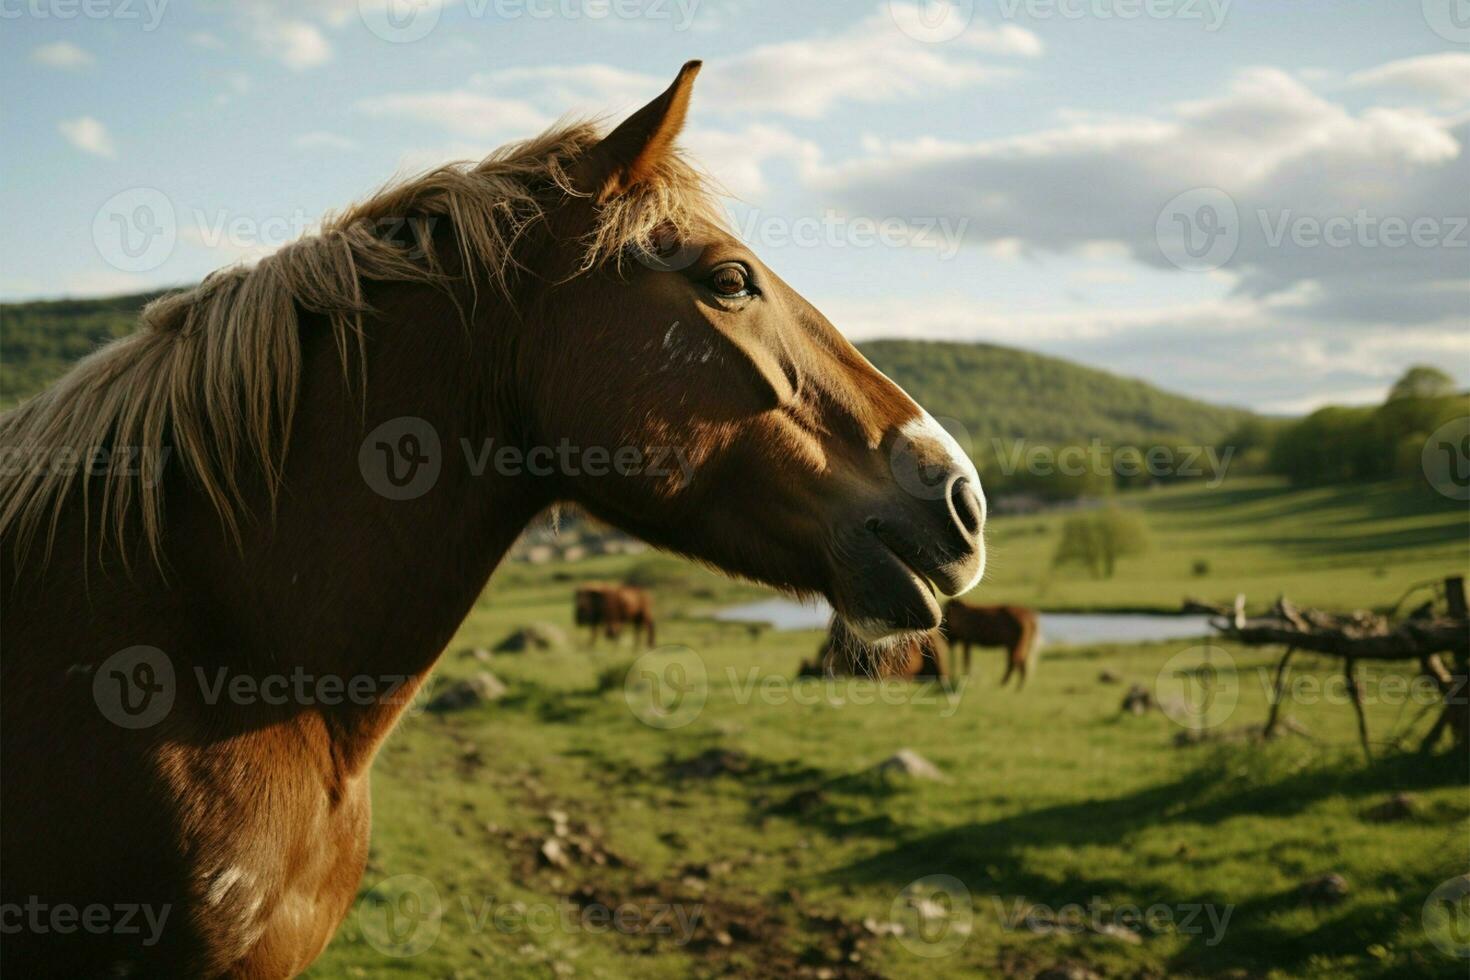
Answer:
[(736, 822)]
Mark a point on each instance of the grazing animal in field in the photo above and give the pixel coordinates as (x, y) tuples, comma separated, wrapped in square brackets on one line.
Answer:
[(1013, 627), (908, 657), (214, 621), (608, 608)]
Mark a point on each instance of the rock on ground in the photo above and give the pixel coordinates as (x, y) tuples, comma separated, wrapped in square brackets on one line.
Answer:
[(907, 762), (537, 636), (480, 688)]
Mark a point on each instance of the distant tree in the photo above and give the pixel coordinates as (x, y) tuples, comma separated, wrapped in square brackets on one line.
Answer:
[(1422, 381), (1098, 539)]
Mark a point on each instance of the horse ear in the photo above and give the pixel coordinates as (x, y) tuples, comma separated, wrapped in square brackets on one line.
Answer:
[(631, 154)]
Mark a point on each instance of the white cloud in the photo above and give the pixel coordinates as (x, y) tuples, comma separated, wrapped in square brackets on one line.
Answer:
[(462, 113), (1279, 151), (873, 61), (1444, 77), (89, 135), (204, 39), (297, 44), (63, 55)]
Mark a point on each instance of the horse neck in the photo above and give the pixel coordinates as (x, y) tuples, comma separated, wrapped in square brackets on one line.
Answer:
[(347, 581)]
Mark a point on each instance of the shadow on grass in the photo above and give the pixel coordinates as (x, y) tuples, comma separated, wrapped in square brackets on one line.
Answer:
[(996, 856)]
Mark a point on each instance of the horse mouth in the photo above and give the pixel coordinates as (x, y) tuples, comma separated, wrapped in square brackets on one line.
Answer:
[(888, 598)]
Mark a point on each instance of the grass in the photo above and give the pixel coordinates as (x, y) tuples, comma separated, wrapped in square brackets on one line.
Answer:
[(756, 817)]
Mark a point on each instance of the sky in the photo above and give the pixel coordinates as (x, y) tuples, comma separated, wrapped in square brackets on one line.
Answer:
[(1254, 203)]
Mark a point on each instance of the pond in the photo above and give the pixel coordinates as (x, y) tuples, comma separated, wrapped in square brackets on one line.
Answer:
[(1061, 628)]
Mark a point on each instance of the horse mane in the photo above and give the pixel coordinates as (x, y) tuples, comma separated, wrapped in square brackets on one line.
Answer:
[(213, 373)]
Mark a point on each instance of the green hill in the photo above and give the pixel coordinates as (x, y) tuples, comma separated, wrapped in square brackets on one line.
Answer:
[(996, 393), (1004, 393)]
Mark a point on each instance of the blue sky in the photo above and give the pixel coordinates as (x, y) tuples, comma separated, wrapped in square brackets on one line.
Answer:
[(1043, 173)]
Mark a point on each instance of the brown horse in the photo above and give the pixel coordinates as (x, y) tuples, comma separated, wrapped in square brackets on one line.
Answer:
[(284, 513), (908, 657), (611, 607), (1013, 627)]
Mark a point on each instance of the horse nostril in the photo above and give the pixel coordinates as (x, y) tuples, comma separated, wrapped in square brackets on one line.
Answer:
[(966, 506), (873, 524)]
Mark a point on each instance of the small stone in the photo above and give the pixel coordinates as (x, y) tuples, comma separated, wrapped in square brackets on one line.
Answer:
[(907, 762), (553, 853), (1328, 889), (1108, 677), (481, 688)]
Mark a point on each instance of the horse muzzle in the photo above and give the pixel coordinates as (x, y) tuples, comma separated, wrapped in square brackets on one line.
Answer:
[(897, 558)]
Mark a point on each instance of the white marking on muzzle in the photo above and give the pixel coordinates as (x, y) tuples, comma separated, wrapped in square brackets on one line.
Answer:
[(926, 427)]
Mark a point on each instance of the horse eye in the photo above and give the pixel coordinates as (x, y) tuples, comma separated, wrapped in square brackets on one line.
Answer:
[(730, 280)]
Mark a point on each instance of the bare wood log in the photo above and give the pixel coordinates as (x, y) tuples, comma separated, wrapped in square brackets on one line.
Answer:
[(1410, 641), (1349, 673), (1278, 692)]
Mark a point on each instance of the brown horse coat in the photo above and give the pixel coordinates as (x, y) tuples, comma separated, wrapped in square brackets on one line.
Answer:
[(202, 658), (1013, 627), (609, 608)]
